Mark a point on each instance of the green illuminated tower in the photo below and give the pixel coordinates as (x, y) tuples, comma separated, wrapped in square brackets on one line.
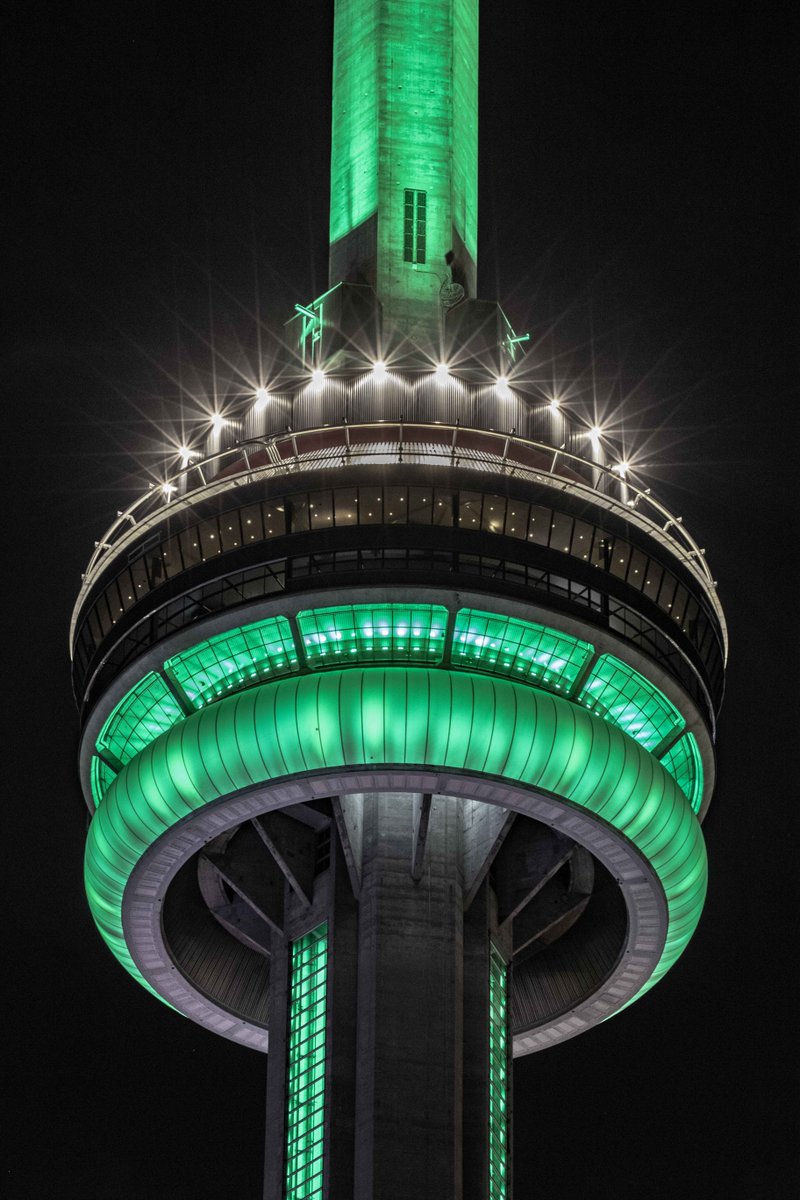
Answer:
[(398, 707)]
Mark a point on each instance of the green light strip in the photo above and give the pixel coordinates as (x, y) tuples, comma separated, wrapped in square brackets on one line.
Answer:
[(148, 709), (621, 695), (498, 1077), (507, 646), (373, 633), (685, 766), (412, 633), (305, 1106), (373, 716), (234, 660), (101, 776)]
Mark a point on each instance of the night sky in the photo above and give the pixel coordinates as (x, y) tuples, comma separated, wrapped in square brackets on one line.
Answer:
[(634, 215)]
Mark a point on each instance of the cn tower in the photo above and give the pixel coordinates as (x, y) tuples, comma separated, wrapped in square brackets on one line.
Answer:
[(398, 698)]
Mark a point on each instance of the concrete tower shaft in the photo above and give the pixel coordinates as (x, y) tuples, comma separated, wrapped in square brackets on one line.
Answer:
[(404, 160)]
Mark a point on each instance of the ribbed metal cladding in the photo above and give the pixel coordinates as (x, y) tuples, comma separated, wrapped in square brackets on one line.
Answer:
[(409, 397)]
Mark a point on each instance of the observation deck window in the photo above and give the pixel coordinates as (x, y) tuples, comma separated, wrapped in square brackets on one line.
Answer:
[(637, 568), (620, 556), (395, 507), (252, 524), (346, 506), (560, 532), (652, 580), (320, 510), (370, 506), (420, 506), (208, 536), (230, 531), (190, 547), (539, 528), (517, 517)]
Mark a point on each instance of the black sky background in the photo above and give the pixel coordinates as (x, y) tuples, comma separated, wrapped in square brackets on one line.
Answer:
[(635, 214)]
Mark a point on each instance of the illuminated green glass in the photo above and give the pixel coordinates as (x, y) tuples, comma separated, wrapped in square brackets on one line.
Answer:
[(102, 777), (367, 716), (621, 695), (527, 651), (498, 1077), (685, 766), (404, 121), (305, 1105), (234, 660), (373, 633), (146, 711)]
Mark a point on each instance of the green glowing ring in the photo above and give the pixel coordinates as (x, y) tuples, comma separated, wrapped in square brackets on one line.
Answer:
[(397, 717)]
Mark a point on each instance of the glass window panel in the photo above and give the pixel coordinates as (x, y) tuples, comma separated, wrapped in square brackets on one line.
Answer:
[(320, 505), (494, 514), (102, 776), (229, 530), (141, 583), (652, 579), (114, 600), (190, 547), (620, 557), (395, 505), (251, 523), (373, 633), (690, 617), (667, 593), (523, 649), (602, 550), (231, 661), (539, 527), (345, 501), (636, 569), (146, 711), (582, 534), (420, 505), (469, 509), (370, 506), (298, 510), (625, 698), (679, 604), (171, 557), (274, 518), (685, 766), (517, 517), (94, 626), (443, 506), (208, 537), (560, 532)]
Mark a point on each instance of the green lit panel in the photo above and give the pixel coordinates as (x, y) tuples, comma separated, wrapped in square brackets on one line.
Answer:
[(235, 660), (621, 695), (102, 776), (498, 1077), (685, 766), (145, 712), (527, 651), (373, 633), (305, 1105), (403, 715), (465, 123), (354, 134)]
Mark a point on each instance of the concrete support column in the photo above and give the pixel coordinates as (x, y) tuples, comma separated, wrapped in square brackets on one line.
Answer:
[(410, 1018)]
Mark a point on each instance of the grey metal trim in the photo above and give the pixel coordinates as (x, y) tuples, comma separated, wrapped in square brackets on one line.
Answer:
[(641, 890)]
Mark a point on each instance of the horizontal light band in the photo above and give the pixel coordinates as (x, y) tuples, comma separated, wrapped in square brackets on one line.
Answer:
[(353, 634), (397, 716)]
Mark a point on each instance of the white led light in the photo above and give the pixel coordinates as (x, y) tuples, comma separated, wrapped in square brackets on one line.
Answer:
[(502, 388), (262, 397), (379, 372), (185, 455), (217, 422), (441, 374), (554, 403), (595, 433), (622, 468), (318, 377)]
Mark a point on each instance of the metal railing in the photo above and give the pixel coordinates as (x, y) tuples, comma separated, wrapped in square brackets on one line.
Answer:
[(399, 441)]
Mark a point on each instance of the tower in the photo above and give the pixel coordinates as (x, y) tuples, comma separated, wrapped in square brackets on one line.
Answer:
[(398, 706)]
